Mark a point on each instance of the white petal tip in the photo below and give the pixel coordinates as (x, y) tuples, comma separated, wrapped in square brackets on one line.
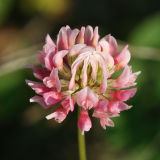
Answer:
[(50, 116), (31, 100)]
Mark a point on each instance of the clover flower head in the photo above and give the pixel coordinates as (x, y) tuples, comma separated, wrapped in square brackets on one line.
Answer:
[(78, 69)]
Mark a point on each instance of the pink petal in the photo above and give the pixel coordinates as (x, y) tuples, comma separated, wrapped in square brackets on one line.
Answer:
[(132, 79), (108, 58), (49, 50), (59, 115), (49, 60), (112, 44), (123, 58), (104, 45), (124, 77), (117, 106), (87, 98), (80, 38), (68, 104), (103, 85), (86, 50), (88, 35), (74, 68), (72, 37), (72, 81), (113, 107), (84, 76), (52, 97), (106, 122), (49, 46), (58, 59), (38, 87), (62, 39), (98, 48), (102, 105), (95, 37), (39, 100), (84, 122), (53, 80), (39, 72), (41, 56), (101, 114), (75, 49), (109, 45), (124, 95), (94, 65)]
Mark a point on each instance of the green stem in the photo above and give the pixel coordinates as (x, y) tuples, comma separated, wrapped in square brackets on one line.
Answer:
[(81, 143)]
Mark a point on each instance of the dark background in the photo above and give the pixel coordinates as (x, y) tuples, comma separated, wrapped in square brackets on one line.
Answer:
[(24, 131)]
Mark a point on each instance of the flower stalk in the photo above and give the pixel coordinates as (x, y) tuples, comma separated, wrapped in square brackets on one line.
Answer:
[(81, 142)]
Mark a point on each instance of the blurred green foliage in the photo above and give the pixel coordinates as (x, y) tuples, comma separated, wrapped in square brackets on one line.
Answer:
[(147, 33), (5, 9), (46, 7)]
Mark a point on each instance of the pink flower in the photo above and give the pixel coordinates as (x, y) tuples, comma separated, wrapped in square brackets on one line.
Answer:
[(109, 45), (78, 69), (125, 80), (87, 98), (53, 81), (102, 105), (59, 115), (123, 95), (68, 104), (38, 87), (40, 100), (39, 72), (122, 59), (101, 113), (52, 97), (84, 121), (117, 106)]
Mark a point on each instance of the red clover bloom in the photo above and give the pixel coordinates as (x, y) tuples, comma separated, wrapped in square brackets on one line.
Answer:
[(79, 68)]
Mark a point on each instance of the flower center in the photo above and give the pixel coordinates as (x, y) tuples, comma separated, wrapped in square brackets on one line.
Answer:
[(89, 69)]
